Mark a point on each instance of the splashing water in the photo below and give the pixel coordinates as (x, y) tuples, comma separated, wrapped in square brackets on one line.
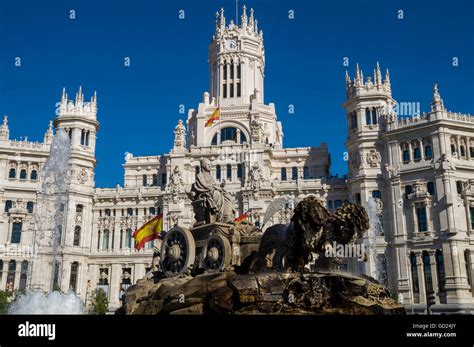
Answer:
[(376, 266), (278, 204), (50, 209), (37, 302)]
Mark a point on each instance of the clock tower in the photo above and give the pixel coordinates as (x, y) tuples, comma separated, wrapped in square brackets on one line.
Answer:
[(237, 61)]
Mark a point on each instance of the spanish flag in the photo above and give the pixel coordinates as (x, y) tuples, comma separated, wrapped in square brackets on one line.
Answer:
[(216, 115), (149, 231), (242, 217)]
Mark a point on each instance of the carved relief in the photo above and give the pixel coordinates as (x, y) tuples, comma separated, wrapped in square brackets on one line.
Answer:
[(373, 158)]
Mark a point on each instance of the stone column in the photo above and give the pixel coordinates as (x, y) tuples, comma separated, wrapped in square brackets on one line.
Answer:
[(238, 130), (422, 152), (4, 275), (434, 274), (114, 282), (16, 282), (410, 151), (415, 219), (468, 145), (458, 146), (421, 277)]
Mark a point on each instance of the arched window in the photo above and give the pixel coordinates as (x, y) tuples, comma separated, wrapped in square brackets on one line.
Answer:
[(414, 273), (105, 239), (229, 172), (368, 119), (239, 171), (23, 174), (427, 272), (12, 173), (11, 275), (462, 150), (128, 238), (23, 275), (440, 270), (8, 205), (77, 235), (129, 211), (294, 173), (73, 276), (229, 134), (406, 156), (453, 150), (30, 206), (428, 152), (218, 172), (232, 69), (283, 173), (416, 153), (374, 116), (471, 152), (34, 175)]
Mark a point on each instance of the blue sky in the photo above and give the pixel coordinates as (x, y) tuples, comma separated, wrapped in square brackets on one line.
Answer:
[(139, 105)]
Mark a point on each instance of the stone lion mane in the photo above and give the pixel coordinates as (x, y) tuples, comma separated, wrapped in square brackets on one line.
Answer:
[(311, 227)]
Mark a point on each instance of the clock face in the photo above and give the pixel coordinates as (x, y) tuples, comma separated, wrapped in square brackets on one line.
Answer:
[(231, 44)]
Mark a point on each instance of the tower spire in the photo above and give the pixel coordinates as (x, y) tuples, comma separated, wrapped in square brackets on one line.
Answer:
[(243, 18), (378, 81), (222, 20)]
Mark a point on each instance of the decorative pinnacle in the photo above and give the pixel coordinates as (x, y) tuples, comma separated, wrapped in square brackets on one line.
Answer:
[(5, 120)]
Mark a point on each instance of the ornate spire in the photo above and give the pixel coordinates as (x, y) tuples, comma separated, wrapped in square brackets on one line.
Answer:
[(348, 80), (378, 80), (222, 20), (217, 21), (387, 77), (357, 75), (256, 26), (79, 97), (5, 121), (243, 17), (48, 136), (437, 103), (251, 19)]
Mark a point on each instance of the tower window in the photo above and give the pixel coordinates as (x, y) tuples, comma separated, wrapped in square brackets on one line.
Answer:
[(105, 239), (155, 180), (374, 116), (462, 150), (414, 273), (229, 134), (421, 216), (231, 70), (8, 205), (129, 211), (368, 119), (238, 70), (239, 171), (225, 72), (417, 154), (232, 90), (16, 232), (30, 206), (218, 172), (430, 187), (238, 90), (294, 173), (427, 271), (144, 181), (471, 152), (440, 270), (12, 173), (128, 241), (471, 212), (406, 156), (428, 152), (453, 150), (229, 172), (73, 277), (77, 235), (163, 179), (224, 90), (23, 174), (283, 174), (34, 175)]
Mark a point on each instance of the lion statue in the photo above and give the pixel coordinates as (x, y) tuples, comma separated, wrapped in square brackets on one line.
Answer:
[(312, 227)]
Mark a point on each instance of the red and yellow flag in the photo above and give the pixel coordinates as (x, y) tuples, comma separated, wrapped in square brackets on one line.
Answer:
[(216, 115), (242, 217), (151, 230)]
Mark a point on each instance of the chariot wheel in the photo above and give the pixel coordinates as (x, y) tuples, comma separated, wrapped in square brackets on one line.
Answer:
[(217, 253), (178, 251)]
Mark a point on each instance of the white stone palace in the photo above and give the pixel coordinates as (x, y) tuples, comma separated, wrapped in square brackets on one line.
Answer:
[(418, 169)]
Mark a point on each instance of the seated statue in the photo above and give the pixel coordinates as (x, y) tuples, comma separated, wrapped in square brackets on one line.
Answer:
[(206, 194)]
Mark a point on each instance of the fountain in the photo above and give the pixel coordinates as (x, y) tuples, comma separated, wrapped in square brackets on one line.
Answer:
[(51, 206), (376, 267)]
